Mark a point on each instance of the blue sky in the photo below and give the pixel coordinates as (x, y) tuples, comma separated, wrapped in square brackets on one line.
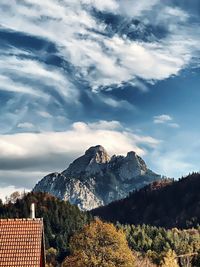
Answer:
[(120, 73)]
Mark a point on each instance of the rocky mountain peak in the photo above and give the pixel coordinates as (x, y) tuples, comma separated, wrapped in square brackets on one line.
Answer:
[(98, 154), (131, 154), (130, 166), (95, 179), (93, 161)]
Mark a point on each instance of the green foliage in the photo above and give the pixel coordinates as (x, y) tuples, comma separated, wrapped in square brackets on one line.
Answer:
[(156, 242)]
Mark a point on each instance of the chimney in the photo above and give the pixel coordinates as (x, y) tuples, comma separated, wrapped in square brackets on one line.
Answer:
[(32, 210)]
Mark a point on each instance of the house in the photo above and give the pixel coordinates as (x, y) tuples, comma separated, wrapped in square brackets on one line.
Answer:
[(22, 243)]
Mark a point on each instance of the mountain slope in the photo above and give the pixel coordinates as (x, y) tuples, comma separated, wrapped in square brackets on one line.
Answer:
[(165, 203), (96, 179)]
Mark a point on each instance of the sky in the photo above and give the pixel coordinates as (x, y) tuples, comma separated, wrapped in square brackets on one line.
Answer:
[(120, 73)]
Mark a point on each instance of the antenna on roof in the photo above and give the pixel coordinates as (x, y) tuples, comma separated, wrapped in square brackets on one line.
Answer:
[(32, 210)]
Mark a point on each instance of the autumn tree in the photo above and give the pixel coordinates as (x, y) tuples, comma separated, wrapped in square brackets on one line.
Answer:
[(13, 197), (99, 245), (170, 259), (51, 255)]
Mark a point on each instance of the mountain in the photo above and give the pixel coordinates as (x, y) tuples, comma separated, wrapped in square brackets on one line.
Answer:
[(96, 179), (165, 203)]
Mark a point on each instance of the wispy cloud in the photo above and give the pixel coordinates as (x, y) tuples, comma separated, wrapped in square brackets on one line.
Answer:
[(34, 86), (165, 119), (7, 84), (44, 114), (99, 59), (32, 72)]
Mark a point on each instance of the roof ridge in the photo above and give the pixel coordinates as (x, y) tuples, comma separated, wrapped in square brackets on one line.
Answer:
[(21, 219)]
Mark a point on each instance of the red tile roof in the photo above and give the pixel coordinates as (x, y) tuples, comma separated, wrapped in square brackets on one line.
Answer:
[(21, 242)]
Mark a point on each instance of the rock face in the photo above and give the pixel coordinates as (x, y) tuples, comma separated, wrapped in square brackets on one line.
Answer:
[(96, 179)]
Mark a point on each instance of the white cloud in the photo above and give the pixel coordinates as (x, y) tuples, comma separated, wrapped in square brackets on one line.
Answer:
[(174, 125), (162, 118), (102, 5), (44, 114), (136, 8), (75, 140), (116, 103), (144, 60), (166, 120), (25, 125), (170, 14)]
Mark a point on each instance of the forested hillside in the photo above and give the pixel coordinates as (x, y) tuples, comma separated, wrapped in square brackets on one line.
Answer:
[(164, 203)]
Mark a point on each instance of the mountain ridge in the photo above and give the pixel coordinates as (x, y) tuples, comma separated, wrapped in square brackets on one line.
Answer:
[(96, 179)]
